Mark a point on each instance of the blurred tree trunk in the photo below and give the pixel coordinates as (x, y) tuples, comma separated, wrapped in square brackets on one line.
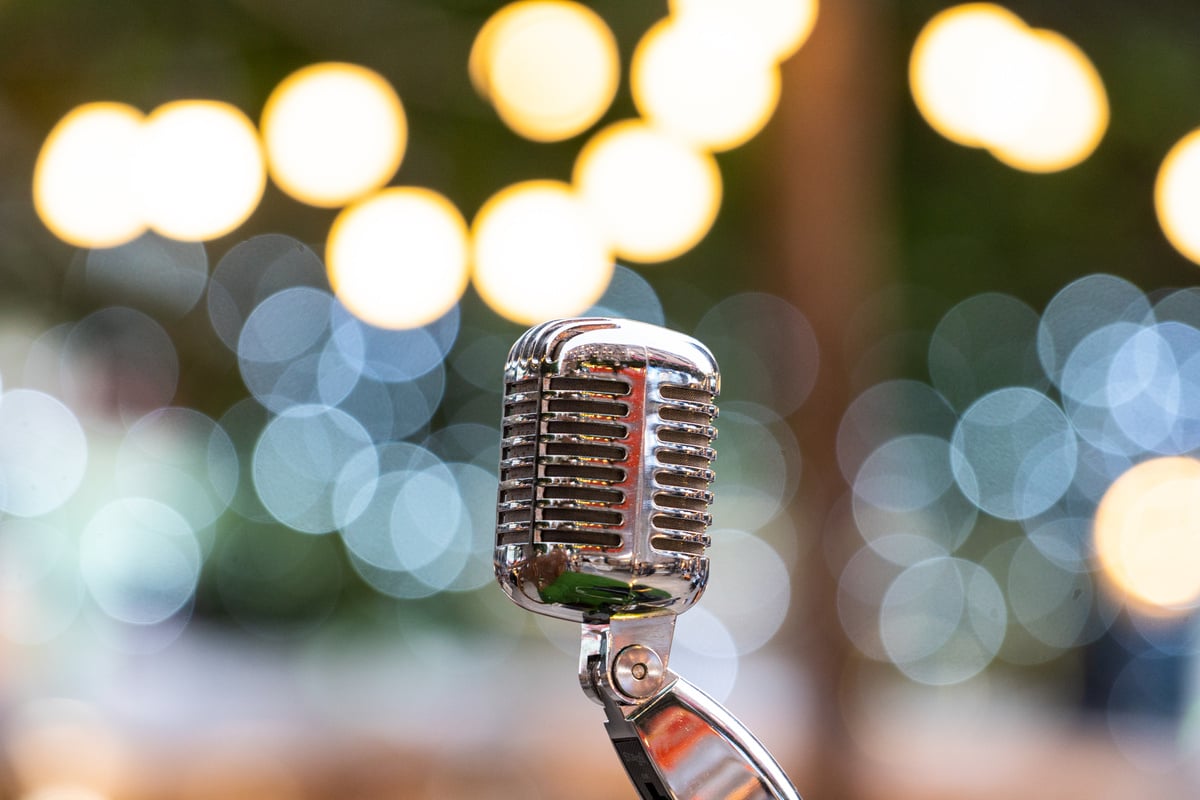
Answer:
[(832, 143)]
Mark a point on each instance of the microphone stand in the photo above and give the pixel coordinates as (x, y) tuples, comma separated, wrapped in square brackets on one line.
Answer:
[(675, 742)]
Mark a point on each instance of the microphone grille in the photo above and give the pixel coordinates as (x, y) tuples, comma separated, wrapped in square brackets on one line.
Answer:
[(605, 468)]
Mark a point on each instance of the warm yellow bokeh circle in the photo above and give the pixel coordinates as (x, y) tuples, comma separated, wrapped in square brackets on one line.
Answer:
[(654, 195), (982, 78), (1147, 535), (200, 171), (398, 259), (537, 253), (82, 182), (1177, 196), (333, 132), (549, 67), (956, 52), (780, 26), (706, 79)]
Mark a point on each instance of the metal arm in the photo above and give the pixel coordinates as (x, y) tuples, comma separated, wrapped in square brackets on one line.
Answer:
[(675, 742)]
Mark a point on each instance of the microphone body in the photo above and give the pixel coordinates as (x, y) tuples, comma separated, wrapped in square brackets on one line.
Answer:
[(605, 477)]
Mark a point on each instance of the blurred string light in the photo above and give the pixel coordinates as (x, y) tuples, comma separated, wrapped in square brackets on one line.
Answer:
[(192, 170), (398, 259), (333, 132), (1147, 535), (537, 253), (782, 26), (654, 195), (706, 78), (199, 169), (982, 78), (81, 182), (550, 68), (1177, 196)]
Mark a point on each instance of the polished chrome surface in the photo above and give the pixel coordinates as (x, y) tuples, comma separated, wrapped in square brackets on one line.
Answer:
[(605, 469), (676, 743), (603, 517), (700, 751)]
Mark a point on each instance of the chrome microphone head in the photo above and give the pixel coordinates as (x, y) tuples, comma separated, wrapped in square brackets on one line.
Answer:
[(605, 469)]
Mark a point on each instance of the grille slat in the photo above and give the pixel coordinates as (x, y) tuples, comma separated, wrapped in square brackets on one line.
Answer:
[(586, 473), (685, 451), (599, 408), (664, 500), (672, 544), (585, 450), (686, 415), (596, 385), (601, 430), (583, 494)]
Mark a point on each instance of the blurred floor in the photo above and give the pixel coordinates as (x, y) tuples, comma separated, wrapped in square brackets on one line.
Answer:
[(208, 718)]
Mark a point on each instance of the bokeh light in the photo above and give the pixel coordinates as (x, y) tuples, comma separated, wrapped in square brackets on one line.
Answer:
[(1064, 109), (982, 78), (43, 453), (1081, 307), (628, 296), (140, 560), (655, 195), (251, 272), (182, 459), (887, 410), (333, 133), (153, 273), (82, 183), (906, 473), (398, 259), (943, 620), (199, 169), (781, 26), (537, 253), (550, 68), (1014, 453), (1147, 535), (751, 334), (952, 57), (967, 359), (1052, 602), (759, 468), (298, 460), (1177, 196), (117, 365), (704, 77), (754, 592)]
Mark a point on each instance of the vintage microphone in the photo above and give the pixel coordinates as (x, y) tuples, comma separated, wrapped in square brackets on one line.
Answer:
[(605, 470)]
